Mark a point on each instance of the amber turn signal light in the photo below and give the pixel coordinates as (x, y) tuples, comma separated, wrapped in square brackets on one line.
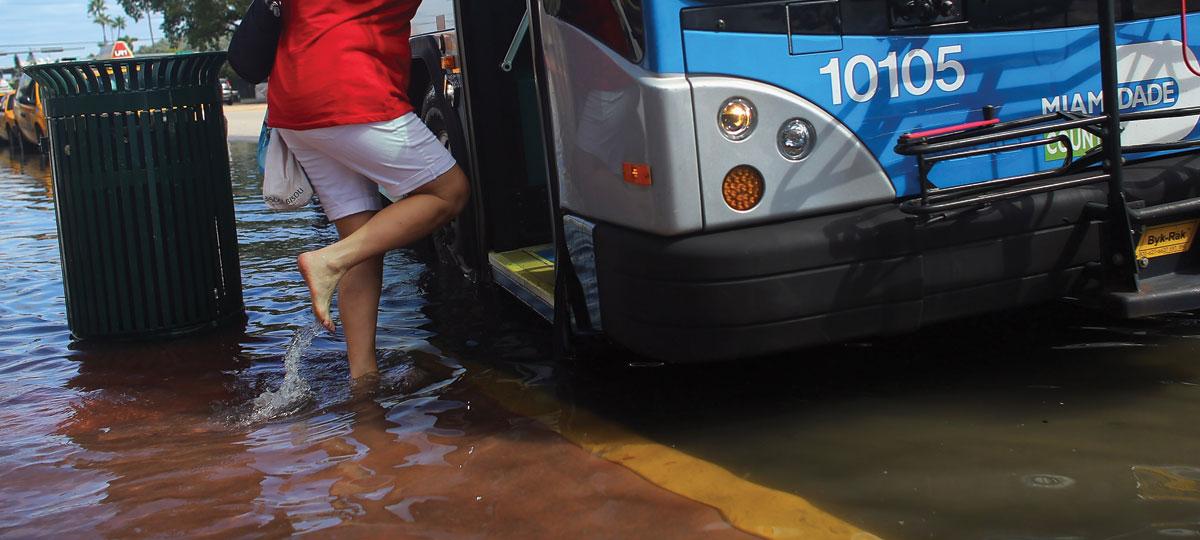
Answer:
[(743, 188), (637, 173)]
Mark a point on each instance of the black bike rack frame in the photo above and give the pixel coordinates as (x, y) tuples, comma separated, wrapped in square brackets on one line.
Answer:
[(1102, 164)]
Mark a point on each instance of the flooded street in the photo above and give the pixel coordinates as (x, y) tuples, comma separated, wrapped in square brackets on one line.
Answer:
[(1053, 423)]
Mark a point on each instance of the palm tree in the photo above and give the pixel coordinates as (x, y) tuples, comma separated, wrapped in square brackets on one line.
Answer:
[(118, 26), (98, 10), (137, 9)]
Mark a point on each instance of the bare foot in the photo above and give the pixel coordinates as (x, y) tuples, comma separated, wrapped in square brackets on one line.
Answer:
[(322, 279)]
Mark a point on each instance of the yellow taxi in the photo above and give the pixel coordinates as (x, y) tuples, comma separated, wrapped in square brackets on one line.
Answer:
[(30, 116), (8, 121)]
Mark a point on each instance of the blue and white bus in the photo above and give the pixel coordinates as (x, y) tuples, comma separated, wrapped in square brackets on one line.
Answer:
[(718, 179)]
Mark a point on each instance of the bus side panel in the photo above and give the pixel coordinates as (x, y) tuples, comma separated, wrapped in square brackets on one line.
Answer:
[(883, 86), (608, 112)]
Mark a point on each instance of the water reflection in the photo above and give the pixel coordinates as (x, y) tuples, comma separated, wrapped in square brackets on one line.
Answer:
[(1170, 483), (133, 393), (30, 166)]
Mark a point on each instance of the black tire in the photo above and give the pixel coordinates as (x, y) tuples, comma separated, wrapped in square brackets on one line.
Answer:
[(456, 244), (22, 145), (43, 142)]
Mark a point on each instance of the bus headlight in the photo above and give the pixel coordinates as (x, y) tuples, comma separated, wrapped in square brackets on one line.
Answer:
[(796, 139), (737, 118)]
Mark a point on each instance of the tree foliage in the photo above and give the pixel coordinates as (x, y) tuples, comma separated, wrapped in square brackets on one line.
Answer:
[(98, 9), (202, 24), (118, 25)]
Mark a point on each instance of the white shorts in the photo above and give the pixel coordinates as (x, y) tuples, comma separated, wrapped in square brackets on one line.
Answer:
[(348, 165)]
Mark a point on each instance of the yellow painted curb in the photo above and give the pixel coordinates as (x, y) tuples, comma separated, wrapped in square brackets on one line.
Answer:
[(750, 507)]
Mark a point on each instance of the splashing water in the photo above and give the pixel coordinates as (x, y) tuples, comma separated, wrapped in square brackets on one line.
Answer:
[(294, 393)]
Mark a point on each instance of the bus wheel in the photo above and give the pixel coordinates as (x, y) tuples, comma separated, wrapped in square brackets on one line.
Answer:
[(455, 243), (43, 143)]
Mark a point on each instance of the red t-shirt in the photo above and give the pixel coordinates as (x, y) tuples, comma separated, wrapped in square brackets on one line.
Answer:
[(341, 62)]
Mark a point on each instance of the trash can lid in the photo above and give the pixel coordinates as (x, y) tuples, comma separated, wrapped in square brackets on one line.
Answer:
[(122, 75)]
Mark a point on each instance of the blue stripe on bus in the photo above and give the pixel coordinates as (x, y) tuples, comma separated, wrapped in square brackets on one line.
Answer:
[(664, 38), (1013, 70)]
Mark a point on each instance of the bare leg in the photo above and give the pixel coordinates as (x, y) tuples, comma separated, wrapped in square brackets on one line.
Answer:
[(398, 225), (358, 302)]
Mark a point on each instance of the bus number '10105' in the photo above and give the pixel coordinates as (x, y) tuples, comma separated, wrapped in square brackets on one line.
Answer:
[(949, 75)]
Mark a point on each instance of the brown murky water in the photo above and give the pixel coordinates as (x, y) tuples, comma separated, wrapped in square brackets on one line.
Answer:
[(1050, 423), (148, 440)]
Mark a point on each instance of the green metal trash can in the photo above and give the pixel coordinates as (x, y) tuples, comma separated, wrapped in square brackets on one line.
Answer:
[(144, 201)]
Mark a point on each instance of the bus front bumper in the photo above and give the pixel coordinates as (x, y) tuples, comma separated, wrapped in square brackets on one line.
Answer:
[(868, 272)]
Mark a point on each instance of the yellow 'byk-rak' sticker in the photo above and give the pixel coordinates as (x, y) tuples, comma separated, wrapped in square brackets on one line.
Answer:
[(1167, 239)]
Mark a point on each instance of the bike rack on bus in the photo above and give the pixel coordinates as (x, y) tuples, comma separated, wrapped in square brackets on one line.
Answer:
[(932, 150), (1102, 164)]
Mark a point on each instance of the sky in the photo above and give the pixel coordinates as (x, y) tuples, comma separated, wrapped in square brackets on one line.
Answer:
[(65, 23)]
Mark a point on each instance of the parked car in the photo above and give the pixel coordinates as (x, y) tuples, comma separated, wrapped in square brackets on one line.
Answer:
[(228, 93), (30, 116), (8, 122)]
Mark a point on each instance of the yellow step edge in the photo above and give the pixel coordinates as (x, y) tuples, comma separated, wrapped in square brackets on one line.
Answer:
[(749, 507), (525, 266)]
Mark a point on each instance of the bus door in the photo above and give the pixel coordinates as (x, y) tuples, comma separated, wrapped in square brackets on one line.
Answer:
[(512, 208)]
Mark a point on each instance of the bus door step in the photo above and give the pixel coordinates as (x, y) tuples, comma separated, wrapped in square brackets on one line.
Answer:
[(527, 273)]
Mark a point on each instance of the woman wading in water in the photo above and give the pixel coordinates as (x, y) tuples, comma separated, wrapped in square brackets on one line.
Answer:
[(339, 99)]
